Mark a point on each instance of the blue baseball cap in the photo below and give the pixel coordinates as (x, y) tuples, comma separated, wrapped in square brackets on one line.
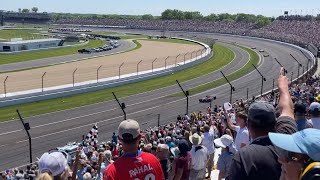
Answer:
[(306, 141)]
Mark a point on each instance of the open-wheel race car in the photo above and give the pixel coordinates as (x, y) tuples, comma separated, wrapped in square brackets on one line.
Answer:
[(207, 99)]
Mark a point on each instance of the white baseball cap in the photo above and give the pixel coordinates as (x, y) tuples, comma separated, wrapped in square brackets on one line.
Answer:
[(53, 163), (129, 127), (224, 141)]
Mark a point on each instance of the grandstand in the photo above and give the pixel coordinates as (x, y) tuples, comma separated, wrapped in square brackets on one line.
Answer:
[(24, 18)]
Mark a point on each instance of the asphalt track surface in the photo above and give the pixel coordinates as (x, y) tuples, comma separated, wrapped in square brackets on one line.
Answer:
[(56, 129), (125, 45)]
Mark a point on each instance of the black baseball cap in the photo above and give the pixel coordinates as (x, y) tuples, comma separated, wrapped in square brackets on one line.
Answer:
[(261, 114)]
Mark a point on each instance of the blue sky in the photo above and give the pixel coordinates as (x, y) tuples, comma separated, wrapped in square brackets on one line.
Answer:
[(155, 7)]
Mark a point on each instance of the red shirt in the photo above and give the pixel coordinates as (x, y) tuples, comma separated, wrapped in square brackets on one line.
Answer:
[(185, 164), (143, 166)]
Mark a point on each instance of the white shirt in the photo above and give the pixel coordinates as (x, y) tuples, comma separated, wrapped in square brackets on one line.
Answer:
[(208, 140), (199, 158), (242, 136), (315, 123)]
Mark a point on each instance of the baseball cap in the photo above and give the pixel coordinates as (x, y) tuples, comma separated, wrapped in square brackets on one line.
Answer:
[(224, 141), (128, 129), (305, 142), (315, 106), (261, 113), (53, 163), (300, 108), (317, 98)]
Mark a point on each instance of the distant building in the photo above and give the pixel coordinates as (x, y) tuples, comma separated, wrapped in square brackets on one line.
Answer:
[(21, 45)]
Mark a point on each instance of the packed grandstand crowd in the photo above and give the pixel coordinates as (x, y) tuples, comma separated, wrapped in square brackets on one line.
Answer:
[(292, 31), (241, 129)]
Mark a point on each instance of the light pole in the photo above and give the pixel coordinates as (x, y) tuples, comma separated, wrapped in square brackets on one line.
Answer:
[(153, 62), (5, 86), (186, 93), (284, 70), (120, 69), (231, 87), (299, 64), (73, 76), (42, 80), (26, 127), (138, 67), (98, 73), (176, 60), (165, 63), (262, 78), (122, 106)]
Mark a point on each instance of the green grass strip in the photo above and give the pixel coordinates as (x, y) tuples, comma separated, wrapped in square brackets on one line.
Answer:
[(254, 59), (172, 41), (222, 57), (27, 56)]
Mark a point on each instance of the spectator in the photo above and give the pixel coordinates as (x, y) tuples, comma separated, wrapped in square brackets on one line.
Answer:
[(133, 163), (182, 163), (242, 136), (315, 114), (87, 176), (162, 155), (208, 142), (259, 159), (304, 147), (225, 159), (53, 166), (114, 138), (200, 158), (300, 111)]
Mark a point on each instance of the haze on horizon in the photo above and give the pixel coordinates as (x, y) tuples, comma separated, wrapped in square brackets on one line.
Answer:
[(155, 7)]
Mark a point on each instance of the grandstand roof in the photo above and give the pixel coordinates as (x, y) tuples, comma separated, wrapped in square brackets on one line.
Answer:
[(32, 41)]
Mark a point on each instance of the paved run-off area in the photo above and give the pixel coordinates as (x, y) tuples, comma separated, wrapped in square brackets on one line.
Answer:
[(87, 69)]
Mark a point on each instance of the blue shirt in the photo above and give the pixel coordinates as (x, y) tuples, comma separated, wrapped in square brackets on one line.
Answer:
[(115, 138), (302, 123)]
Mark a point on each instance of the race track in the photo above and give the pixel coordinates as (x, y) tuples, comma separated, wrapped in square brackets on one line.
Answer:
[(56, 129)]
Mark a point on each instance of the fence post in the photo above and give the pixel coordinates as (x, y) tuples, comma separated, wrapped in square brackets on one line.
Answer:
[(138, 67), (42, 80), (120, 69), (153, 62), (98, 73), (247, 93), (165, 63), (291, 77), (5, 87), (158, 120), (73, 76)]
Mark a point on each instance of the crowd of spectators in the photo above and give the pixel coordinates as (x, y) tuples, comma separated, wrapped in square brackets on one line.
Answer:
[(185, 148), (292, 31)]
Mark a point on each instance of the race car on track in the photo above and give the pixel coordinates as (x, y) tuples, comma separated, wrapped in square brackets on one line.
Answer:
[(207, 99)]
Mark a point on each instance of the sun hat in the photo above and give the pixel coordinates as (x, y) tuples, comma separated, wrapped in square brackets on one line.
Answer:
[(195, 139), (304, 142), (53, 163), (224, 141)]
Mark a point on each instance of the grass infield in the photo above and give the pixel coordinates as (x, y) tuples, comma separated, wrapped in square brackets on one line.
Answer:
[(221, 58)]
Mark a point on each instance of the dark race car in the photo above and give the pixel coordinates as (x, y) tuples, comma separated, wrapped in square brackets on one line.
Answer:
[(207, 99)]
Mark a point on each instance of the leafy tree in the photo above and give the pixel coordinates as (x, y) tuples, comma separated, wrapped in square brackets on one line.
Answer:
[(263, 21), (34, 9), (211, 17), (25, 11), (147, 17), (192, 15)]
